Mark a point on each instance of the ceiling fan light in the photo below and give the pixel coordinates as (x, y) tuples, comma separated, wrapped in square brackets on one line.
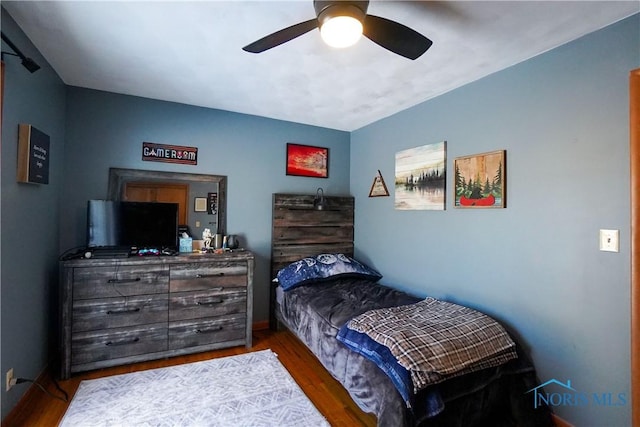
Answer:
[(341, 31), (340, 22)]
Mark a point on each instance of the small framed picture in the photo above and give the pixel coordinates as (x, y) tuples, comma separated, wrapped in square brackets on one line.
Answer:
[(33, 155), (378, 188), (212, 205), (307, 160), (480, 180), (200, 204)]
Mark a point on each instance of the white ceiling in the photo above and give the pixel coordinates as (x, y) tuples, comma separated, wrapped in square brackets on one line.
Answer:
[(191, 51)]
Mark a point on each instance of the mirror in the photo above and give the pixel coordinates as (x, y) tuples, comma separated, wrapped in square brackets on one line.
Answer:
[(198, 186)]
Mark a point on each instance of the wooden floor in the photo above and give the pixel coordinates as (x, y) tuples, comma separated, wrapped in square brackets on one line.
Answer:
[(38, 409)]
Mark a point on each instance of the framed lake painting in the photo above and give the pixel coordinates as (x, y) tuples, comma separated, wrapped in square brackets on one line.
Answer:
[(421, 177), (480, 180)]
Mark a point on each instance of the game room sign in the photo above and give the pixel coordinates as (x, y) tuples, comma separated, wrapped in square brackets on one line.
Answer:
[(169, 153)]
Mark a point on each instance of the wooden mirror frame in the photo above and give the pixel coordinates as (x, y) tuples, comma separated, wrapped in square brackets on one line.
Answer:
[(118, 177)]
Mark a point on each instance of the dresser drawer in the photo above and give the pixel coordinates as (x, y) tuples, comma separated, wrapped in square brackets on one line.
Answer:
[(104, 313), (119, 281), (193, 305), (94, 346), (207, 331), (201, 276)]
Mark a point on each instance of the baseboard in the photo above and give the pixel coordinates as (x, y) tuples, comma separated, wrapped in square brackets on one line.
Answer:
[(24, 403), (560, 422), (260, 326)]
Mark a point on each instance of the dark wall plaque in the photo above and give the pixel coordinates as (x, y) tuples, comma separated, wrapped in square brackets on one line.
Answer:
[(33, 155)]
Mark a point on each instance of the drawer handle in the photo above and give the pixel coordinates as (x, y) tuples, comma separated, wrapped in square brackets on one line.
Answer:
[(211, 302), (137, 279), (204, 276), (209, 330), (122, 342), (124, 311)]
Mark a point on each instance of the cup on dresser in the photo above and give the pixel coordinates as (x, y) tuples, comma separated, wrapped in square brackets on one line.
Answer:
[(217, 241), (232, 241)]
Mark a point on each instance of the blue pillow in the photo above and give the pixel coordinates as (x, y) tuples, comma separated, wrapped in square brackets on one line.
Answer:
[(323, 267)]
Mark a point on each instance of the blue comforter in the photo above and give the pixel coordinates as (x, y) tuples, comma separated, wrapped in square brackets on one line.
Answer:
[(431, 401), (316, 312)]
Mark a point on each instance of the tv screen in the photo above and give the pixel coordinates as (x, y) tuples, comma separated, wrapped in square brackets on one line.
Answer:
[(132, 224)]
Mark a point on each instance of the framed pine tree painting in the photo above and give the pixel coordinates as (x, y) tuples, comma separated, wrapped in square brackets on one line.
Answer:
[(480, 180)]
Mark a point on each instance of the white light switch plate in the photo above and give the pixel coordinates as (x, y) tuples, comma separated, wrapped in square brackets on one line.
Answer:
[(610, 240)]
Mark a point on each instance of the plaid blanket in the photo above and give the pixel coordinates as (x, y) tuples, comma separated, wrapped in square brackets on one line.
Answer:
[(436, 340)]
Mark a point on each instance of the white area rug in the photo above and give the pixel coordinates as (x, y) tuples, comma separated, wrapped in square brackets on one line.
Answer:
[(252, 389)]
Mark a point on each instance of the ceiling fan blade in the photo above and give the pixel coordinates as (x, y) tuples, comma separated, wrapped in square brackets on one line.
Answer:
[(396, 37), (282, 36)]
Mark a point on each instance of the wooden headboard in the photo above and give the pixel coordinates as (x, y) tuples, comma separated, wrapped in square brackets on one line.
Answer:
[(298, 231)]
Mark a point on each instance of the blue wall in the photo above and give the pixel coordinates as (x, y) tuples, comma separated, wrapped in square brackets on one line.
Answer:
[(563, 119), (107, 130), (30, 216)]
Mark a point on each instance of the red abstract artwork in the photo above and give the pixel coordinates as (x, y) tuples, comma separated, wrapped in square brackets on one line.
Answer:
[(307, 160)]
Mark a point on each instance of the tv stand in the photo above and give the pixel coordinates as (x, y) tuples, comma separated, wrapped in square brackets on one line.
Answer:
[(115, 311)]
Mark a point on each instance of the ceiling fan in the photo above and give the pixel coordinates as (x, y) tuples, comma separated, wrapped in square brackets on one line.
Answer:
[(389, 34)]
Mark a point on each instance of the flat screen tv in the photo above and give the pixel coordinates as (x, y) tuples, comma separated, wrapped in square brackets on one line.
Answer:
[(132, 224)]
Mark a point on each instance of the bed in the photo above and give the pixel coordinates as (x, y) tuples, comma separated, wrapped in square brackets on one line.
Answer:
[(336, 311)]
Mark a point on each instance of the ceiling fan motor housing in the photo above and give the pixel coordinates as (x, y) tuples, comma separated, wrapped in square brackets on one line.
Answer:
[(326, 10)]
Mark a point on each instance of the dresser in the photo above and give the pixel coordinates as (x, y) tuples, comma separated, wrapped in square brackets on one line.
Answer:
[(125, 310)]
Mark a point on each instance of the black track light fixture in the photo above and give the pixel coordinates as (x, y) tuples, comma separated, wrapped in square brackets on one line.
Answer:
[(28, 63), (319, 203)]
